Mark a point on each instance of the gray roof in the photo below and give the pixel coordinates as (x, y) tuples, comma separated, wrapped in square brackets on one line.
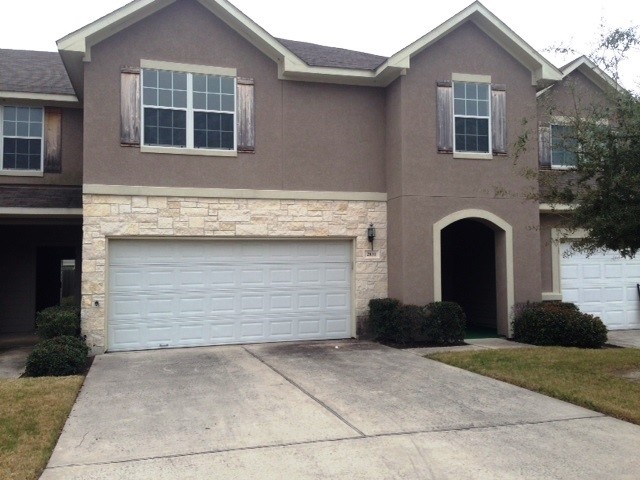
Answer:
[(27, 71), (321, 56)]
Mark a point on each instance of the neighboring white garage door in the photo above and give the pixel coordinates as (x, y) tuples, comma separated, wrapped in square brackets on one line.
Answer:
[(604, 285), (188, 293)]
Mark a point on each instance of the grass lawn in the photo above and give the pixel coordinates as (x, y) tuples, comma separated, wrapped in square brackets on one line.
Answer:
[(32, 414), (590, 378)]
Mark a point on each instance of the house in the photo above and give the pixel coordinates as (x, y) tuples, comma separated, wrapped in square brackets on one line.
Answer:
[(214, 184)]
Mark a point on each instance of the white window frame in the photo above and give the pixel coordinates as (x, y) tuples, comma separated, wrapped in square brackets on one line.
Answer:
[(14, 172), (479, 79), (190, 70), (558, 123)]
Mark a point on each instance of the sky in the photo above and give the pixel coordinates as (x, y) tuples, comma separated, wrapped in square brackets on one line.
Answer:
[(366, 25)]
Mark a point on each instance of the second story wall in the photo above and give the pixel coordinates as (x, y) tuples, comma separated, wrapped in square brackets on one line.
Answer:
[(309, 136)]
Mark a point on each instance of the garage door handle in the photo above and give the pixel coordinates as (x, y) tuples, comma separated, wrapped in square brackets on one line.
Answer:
[(638, 287)]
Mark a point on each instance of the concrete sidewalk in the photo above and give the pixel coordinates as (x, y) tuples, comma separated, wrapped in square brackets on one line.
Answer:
[(624, 338), (353, 410)]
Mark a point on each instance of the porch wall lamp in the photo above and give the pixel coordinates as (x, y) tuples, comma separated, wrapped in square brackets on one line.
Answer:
[(371, 234)]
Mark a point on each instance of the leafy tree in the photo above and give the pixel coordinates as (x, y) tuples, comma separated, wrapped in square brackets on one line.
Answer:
[(603, 140)]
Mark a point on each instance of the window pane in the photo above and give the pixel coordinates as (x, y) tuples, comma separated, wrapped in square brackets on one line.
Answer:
[(483, 127), (180, 99), (227, 85), (458, 90), (213, 84), (35, 147), (22, 146), (164, 98), (22, 161), (200, 121), (9, 113), (150, 78), (472, 91), (165, 79), (35, 130), (199, 83), (150, 135), (9, 128), (179, 81), (483, 143), (472, 127), (472, 107), (34, 162), (9, 146), (227, 103), (35, 115), (213, 102), (165, 118), (226, 140), (165, 136), (179, 119), (150, 96), (22, 129), (226, 122), (460, 125), (151, 116), (200, 139), (460, 144), (179, 137), (472, 143), (23, 114), (483, 91), (483, 108), (200, 101), (459, 107)]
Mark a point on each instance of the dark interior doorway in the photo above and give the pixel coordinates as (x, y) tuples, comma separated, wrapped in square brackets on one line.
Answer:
[(469, 271), (52, 277)]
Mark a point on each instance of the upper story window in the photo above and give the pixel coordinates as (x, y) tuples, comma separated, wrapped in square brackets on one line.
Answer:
[(472, 117), (21, 129), (188, 110), (563, 147)]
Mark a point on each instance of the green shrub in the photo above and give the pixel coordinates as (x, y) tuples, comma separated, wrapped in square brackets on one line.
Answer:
[(65, 355), (556, 323), (56, 321), (445, 323), (407, 325), (380, 312)]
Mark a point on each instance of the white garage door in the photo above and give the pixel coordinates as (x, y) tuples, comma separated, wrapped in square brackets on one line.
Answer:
[(604, 285), (188, 293)]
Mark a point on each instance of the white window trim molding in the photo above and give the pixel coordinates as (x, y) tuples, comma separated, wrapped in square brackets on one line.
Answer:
[(207, 152), (469, 77), (437, 254), (188, 68), (559, 236), (473, 155)]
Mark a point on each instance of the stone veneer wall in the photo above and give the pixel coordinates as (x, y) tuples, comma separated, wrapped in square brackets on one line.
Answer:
[(125, 216)]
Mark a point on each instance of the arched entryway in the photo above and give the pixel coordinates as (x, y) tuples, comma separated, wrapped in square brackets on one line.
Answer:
[(473, 266)]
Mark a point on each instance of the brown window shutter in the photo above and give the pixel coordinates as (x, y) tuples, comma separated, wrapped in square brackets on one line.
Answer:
[(444, 98), (246, 115), (130, 106), (52, 140), (544, 146), (499, 119)]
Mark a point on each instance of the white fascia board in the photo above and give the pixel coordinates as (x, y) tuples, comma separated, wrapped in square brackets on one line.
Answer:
[(592, 72), (40, 97)]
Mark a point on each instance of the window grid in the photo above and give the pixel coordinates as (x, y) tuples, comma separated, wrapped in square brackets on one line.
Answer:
[(209, 110), (22, 134), (471, 117)]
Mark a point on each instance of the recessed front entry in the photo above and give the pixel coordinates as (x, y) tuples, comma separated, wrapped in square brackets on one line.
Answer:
[(177, 293), (469, 271)]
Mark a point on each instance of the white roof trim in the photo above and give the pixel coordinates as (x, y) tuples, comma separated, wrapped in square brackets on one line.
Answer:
[(541, 68), (592, 71), (78, 44), (40, 97)]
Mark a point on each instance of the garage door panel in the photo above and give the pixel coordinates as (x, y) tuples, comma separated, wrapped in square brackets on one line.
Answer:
[(182, 293), (603, 285)]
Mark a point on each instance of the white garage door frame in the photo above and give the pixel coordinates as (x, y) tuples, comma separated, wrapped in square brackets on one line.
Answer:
[(559, 237), (352, 278)]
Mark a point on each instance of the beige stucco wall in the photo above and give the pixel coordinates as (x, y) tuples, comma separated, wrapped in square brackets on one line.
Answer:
[(114, 216)]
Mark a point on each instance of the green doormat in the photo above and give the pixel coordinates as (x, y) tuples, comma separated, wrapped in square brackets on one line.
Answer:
[(474, 331)]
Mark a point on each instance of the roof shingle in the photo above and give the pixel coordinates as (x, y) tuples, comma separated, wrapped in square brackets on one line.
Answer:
[(28, 71), (321, 56)]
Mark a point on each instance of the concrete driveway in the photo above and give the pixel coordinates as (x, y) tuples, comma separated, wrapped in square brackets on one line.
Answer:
[(325, 410)]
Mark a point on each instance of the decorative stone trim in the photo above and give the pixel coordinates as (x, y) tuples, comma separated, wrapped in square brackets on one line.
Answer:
[(126, 216)]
